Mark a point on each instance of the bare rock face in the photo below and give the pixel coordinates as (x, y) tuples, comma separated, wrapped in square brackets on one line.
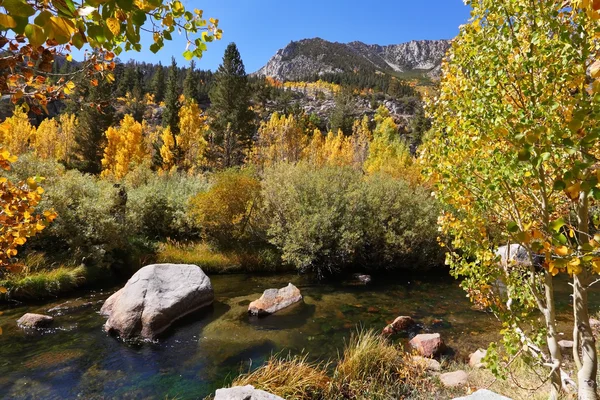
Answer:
[(475, 359), (154, 297), (428, 344), (244, 393), (454, 379), (34, 321), (273, 300), (400, 324)]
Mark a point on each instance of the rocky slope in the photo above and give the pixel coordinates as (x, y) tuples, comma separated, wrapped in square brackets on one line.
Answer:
[(317, 56)]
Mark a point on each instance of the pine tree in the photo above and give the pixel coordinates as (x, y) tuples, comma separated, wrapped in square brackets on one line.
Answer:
[(158, 83), (231, 117), (190, 88), (342, 117), (171, 112)]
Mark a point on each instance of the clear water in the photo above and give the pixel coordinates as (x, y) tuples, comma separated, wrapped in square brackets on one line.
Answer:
[(77, 359)]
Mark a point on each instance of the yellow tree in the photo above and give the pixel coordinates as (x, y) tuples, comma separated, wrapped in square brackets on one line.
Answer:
[(280, 139), (514, 156), (387, 152), (333, 149), (47, 144), (68, 127), (19, 133), (167, 150), (190, 140), (361, 139), (125, 148)]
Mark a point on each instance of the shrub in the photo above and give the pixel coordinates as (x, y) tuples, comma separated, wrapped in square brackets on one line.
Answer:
[(157, 208), (315, 215), (228, 211)]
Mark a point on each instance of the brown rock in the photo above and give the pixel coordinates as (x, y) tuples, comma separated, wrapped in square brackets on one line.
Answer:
[(428, 345), (273, 300), (400, 324), (428, 363), (30, 320), (454, 379), (476, 357)]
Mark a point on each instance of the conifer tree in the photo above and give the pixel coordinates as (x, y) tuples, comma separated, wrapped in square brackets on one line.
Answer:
[(171, 112), (190, 88), (231, 117), (158, 83)]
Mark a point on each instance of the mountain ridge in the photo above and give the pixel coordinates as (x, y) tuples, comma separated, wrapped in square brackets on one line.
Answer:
[(317, 56)]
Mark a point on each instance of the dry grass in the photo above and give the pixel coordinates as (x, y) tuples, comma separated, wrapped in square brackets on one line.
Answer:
[(43, 283), (291, 377)]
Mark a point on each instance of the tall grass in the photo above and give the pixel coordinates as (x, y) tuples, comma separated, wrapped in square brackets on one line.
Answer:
[(42, 283), (292, 377), (370, 367)]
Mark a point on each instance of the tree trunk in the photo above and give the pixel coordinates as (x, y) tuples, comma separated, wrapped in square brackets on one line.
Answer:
[(586, 376), (583, 336), (552, 337)]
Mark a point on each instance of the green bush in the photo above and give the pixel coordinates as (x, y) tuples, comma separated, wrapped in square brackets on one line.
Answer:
[(328, 219), (158, 208)]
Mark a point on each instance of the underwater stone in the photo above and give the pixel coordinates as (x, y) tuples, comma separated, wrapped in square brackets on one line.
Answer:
[(154, 297), (31, 320)]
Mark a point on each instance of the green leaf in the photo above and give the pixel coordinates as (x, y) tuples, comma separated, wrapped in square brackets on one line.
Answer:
[(126, 5), (97, 33), (524, 155), (188, 55), (35, 34), (78, 40), (43, 18), (18, 8), (512, 227), (65, 7), (559, 186), (138, 17), (155, 47), (556, 225)]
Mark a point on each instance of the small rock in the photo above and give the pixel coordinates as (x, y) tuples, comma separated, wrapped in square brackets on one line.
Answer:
[(363, 278), (273, 300), (30, 320), (70, 307), (566, 345), (476, 357), (483, 394), (400, 324), (429, 363), (428, 344), (454, 379), (247, 392)]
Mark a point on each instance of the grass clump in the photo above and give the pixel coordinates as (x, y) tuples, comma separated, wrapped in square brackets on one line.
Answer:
[(38, 284), (292, 377), (369, 368)]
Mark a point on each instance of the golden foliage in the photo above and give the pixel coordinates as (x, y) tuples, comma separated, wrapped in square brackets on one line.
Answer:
[(18, 133), (167, 150), (190, 140), (125, 148), (280, 139)]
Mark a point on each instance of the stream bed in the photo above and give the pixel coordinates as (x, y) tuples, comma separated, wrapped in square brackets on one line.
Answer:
[(206, 350)]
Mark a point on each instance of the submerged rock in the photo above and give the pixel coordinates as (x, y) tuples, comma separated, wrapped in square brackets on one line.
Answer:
[(454, 379), (273, 300), (154, 297), (483, 394), (400, 324), (362, 278), (70, 307), (428, 344), (247, 392), (34, 321), (475, 359)]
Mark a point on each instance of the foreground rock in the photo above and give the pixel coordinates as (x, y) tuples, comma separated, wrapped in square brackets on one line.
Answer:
[(454, 379), (362, 278), (475, 359), (428, 363), (244, 393), (34, 321), (273, 300), (400, 324), (428, 344), (154, 297), (483, 394)]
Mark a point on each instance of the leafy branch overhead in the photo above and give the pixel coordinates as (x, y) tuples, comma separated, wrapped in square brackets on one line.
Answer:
[(34, 33)]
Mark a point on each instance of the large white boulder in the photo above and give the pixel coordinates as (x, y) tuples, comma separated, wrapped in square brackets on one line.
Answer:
[(154, 297)]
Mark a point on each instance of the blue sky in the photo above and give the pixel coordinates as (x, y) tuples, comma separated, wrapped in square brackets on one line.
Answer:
[(261, 27)]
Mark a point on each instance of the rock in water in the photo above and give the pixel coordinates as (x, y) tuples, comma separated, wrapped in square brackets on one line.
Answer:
[(428, 344), (400, 324), (244, 393), (273, 300), (34, 321), (154, 297)]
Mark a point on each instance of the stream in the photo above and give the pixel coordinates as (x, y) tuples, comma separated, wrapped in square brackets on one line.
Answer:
[(206, 350)]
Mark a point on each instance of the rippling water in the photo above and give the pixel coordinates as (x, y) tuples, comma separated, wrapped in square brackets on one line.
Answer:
[(76, 359)]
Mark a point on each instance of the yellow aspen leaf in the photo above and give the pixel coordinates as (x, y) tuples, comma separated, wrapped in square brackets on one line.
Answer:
[(574, 266), (573, 191), (595, 69), (3, 290), (596, 265), (562, 251), (114, 26)]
